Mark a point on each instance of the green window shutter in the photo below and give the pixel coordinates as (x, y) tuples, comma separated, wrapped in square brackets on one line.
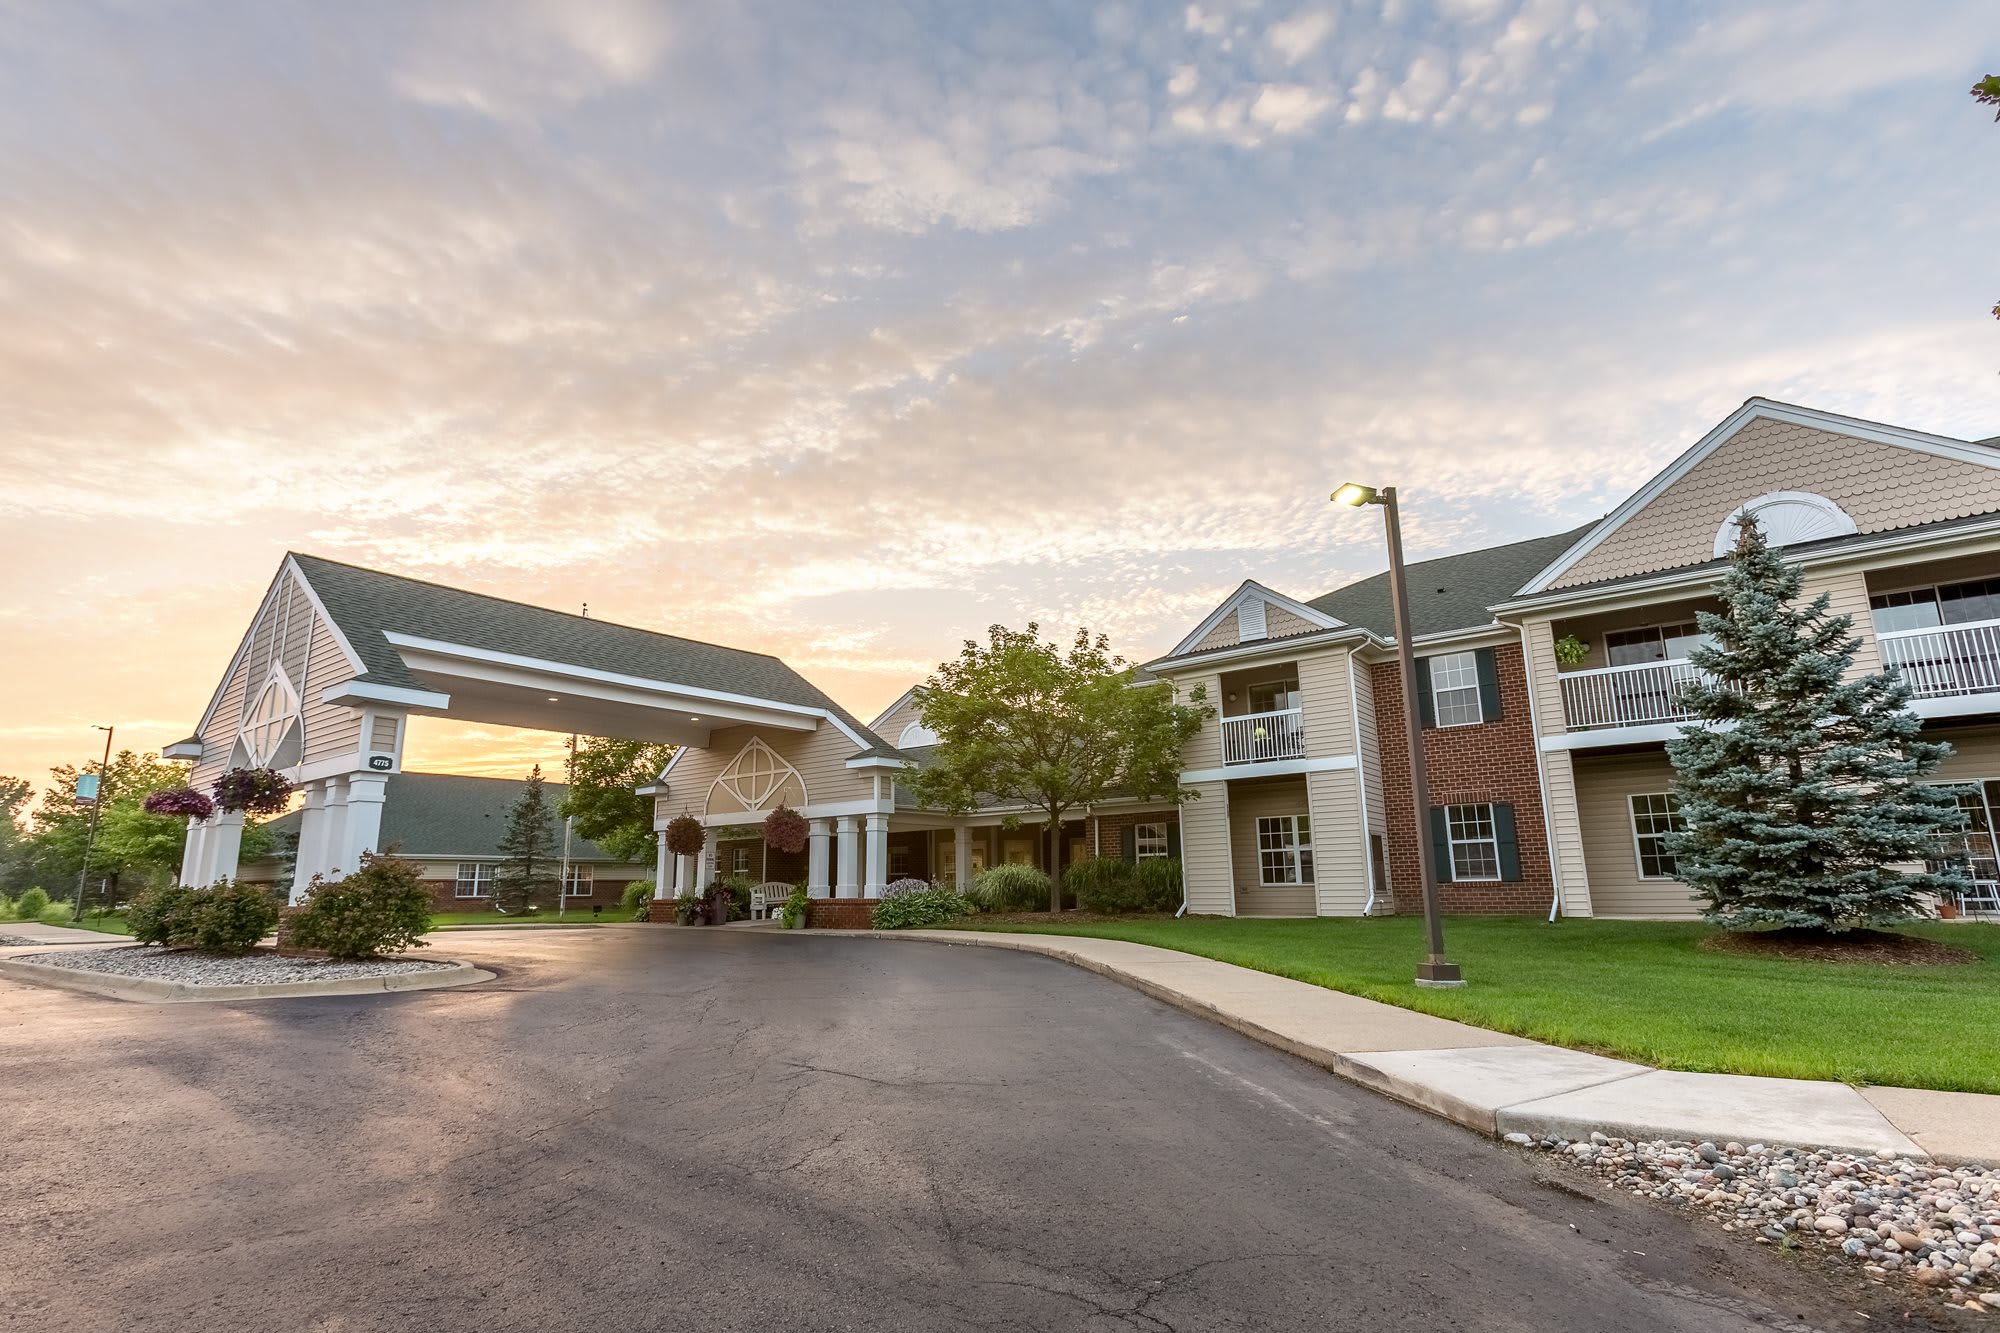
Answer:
[(1174, 839), (1489, 685), (1510, 846), (1426, 710), (1128, 842), (1440, 845)]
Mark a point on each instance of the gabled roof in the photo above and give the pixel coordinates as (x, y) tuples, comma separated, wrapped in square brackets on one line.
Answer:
[(1452, 592), (1246, 591), (366, 605), (1755, 409), (447, 814)]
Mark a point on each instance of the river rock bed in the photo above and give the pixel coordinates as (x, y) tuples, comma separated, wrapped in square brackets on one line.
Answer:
[(202, 969), (1934, 1225)]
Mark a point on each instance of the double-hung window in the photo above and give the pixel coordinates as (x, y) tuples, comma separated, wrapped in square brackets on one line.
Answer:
[(1149, 841), (1455, 690), (1655, 816), (580, 881), (475, 880), (1284, 849), (1474, 842), (739, 862)]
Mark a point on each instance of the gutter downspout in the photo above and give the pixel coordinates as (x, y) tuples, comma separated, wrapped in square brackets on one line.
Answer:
[(1361, 783), (1541, 773)]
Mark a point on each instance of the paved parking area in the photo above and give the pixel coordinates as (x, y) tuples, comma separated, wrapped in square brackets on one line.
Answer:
[(644, 1127)]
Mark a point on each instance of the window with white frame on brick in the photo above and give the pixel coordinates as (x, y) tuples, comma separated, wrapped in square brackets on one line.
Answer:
[(1655, 817), (1284, 849), (579, 881), (1455, 689), (1149, 841), (475, 880), (739, 863)]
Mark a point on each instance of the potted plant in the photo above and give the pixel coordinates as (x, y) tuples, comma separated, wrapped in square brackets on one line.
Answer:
[(179, 801), (785, 829), (253, 791), (1571, 650)]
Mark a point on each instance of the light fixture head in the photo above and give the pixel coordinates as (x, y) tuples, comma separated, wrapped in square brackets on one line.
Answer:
[(694, 719), (554, 700), (1355, 494)]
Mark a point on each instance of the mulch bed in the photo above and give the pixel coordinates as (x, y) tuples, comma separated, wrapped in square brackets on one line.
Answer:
[(1878, 947)]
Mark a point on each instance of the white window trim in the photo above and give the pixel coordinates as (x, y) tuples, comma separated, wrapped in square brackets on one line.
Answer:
[(1478, 696), (739, 861), (582, 881), (1638, 854), (1299, 849), (478, 880), (1140, 841), (1452, 844)]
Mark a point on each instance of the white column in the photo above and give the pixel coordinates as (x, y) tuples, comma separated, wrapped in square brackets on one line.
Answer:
[(197, 847), (680, 875), (704, 865), (816, 858), (365, 792), (222, 848), (333, 833), (847, 855), (660, 866), (878, 855), (312, 840), (961, 846)]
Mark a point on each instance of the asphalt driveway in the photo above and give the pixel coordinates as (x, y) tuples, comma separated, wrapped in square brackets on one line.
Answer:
[(639, 1128)]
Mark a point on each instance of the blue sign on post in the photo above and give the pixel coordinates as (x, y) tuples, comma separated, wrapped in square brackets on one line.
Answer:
[(86, 786)]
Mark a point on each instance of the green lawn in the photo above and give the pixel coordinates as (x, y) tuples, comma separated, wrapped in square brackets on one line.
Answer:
[(1640, 990)]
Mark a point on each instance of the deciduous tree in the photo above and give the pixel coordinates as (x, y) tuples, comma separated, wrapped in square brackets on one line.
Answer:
[(601, 796)]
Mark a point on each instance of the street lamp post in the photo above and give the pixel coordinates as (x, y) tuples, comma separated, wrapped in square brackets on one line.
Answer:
[(1436, 970), (96, 809)]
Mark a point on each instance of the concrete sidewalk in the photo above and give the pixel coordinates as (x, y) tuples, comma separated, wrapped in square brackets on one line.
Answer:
[(38, 934), (1499, 1084)]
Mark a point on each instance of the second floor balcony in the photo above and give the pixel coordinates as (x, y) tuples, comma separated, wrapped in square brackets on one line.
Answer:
[(1641, 695), (1947, 661), (1255, 738)]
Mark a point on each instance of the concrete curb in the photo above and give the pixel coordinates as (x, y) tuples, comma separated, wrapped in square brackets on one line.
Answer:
[(151, 990), (1508, 1084)]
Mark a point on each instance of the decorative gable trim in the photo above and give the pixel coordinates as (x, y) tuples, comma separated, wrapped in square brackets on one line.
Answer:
[(1252, 591), (1752, 410), (755, 775)]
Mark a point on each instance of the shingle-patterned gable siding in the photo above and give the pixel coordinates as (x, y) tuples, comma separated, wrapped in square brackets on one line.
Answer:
[(1883, 487)]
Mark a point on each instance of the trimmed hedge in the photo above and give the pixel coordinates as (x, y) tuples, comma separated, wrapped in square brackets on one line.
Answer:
[(911, 910)]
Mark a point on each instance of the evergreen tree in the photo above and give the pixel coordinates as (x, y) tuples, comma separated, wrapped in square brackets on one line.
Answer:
[(531, 857), (1801, 788)]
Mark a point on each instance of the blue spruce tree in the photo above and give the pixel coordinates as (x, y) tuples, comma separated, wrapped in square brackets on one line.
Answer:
[(1801, 788)]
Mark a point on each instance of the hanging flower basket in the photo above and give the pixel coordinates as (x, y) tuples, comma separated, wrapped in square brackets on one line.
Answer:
[(179, 801), (685, 835), (785, 830), (254, 791)]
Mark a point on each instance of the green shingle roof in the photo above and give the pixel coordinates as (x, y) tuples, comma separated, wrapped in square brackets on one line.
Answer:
[(1451, 592), (367, 604), (446, 814)]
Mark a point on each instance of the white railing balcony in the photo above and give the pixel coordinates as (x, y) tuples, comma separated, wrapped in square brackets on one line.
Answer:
[(1947, 661), (1254, 738), (1641, 695)]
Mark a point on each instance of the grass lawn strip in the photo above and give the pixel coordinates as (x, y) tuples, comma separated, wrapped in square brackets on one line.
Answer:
[(1636, 990)]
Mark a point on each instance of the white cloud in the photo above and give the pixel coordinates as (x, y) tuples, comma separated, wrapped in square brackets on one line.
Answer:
[(1288, 108), (1299, 36)]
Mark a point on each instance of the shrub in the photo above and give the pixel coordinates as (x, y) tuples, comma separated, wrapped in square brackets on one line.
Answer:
[(1160, 884), (31, 905), (154, 913), (738, 888), (896, 888), (1011, 889), (224, 918), (794, 914), (381, 908), (1103, 884), (6, 907), (910, 910), (635, 898)]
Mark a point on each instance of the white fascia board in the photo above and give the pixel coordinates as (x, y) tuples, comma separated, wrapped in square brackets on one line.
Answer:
[(1262, 648), (1957, 705), (570, 670), (1757, 409), (1638, 592), (821, 810), (243, 645), (1252, 588), (890, 711), (354, 661), (187, 749), (1276, 768), (651, 789), (877, 761), (358, 692), (1590, 740)]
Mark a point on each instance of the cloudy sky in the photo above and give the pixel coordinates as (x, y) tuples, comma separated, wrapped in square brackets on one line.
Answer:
[(843, 331)]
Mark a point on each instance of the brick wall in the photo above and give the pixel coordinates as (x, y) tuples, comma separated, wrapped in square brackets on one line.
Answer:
[(1111, 828), (1492, 762), (840, 913)]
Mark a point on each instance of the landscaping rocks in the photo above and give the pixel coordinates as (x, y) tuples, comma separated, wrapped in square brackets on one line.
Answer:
[(1922, 1222), (200, 969), (17, 941)]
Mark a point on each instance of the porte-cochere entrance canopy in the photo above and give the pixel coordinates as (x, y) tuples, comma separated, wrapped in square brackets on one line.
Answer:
[(338, 658)]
